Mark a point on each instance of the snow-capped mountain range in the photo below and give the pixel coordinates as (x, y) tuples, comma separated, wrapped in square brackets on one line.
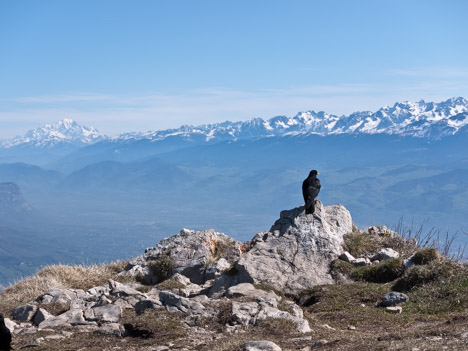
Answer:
[(419, 119)]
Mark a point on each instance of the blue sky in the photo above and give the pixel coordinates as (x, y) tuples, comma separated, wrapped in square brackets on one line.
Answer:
[(146, 65)]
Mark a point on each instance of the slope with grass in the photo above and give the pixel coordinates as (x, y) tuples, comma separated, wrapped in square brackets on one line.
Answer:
[(177, 314)]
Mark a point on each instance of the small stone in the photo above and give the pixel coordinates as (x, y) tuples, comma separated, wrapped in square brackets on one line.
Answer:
[(394, 298), (351, 327), (347, 257), (363, 305), (262, 345), (362, 261), (394, 309), (434, 338), (385, 254), (161, 348), (55, 337), (326, 326)]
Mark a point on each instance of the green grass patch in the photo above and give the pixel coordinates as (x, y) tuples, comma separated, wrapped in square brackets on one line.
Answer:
[(341, 267), (382, 272), (438, 289)]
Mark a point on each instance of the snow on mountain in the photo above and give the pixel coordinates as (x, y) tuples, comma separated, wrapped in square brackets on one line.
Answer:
[(66, 131), (419, 119)]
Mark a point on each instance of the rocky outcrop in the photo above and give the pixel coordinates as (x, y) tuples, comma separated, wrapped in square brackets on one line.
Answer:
[(296, 253), (197, 272), (190, 253)]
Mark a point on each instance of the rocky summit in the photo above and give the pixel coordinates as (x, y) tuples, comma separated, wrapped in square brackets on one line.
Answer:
[(203, 290), (295, 254)]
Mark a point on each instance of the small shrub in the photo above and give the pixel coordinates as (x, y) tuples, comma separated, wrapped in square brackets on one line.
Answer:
[(162, 267), (425, 256), (224, 312), (383, 272), (170, 284), (220, 248)]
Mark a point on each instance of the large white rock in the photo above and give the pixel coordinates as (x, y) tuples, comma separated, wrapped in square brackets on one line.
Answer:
[(249, 313), (190, 252), (296, 253)]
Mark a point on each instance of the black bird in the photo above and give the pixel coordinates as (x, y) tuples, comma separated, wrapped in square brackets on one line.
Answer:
[(5, 335), (310, 190)]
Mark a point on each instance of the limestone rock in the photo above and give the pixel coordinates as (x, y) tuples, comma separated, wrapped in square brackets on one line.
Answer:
[(394, 309), (248, 290), (347, 257), (249, 313), (261, 345), (110, 314), (174, 303), (296, 253), (71, 317), (182, 279), (10, 324), (217, 268), (24, 313), (362, 261), (385, 254), (189, 252), (121, 290), (111, 329), (40, 316), (145, 304), (394, 298)]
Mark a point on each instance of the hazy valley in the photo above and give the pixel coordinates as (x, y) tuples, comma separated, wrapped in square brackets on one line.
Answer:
[(85, 197)]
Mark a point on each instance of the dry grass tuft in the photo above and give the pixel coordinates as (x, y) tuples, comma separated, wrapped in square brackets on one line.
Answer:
[(357, 243), (57, 276), (425, 256)]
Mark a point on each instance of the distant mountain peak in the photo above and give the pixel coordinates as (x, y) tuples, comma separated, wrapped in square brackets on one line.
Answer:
[(66, 131)]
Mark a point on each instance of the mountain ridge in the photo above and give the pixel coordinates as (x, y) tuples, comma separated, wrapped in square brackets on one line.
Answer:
[(419, 119)]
